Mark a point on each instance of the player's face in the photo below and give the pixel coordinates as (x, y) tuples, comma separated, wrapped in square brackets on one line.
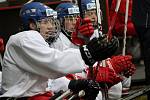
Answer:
[(92, 15), (47, 28), (69, 23)]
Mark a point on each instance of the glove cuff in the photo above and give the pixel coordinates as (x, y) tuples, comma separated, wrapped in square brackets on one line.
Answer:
[(86, 55), (116, 67)]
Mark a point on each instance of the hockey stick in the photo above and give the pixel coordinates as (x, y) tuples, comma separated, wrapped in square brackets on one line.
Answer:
[(80, 94), (125, 35), (112, 22), (99, 20), (125, 27), (69, 92), (80, 9), (99, 23), (65, 94), (82, 16)]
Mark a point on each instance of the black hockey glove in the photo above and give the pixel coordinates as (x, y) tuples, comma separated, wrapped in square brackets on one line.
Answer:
[(98, 49), (90, 87), (90, 94)]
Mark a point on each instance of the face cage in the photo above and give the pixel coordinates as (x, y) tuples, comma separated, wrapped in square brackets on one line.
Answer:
[(90, 13), (70, 19), (55, 28)]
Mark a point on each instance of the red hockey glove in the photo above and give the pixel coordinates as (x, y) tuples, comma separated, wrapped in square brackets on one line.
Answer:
[(1, 45), (123, 64), (107, 75), (84, 30), (130, 71)]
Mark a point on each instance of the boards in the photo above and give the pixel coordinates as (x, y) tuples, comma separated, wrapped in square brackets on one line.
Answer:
[(136, 91)]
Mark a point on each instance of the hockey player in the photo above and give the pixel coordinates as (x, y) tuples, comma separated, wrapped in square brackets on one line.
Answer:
[(89, 10), (87, 7), (29, 61)]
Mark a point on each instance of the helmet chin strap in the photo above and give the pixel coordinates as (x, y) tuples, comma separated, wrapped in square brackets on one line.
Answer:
[(66, 31), (68, 34), (51, 40), (37, 28)]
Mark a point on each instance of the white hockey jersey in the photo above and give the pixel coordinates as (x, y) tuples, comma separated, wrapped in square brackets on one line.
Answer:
[(29, 62)]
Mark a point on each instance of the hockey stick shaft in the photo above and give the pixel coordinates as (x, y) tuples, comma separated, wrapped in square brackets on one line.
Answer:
[(112, 22), (125, 27), (65, 94)]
